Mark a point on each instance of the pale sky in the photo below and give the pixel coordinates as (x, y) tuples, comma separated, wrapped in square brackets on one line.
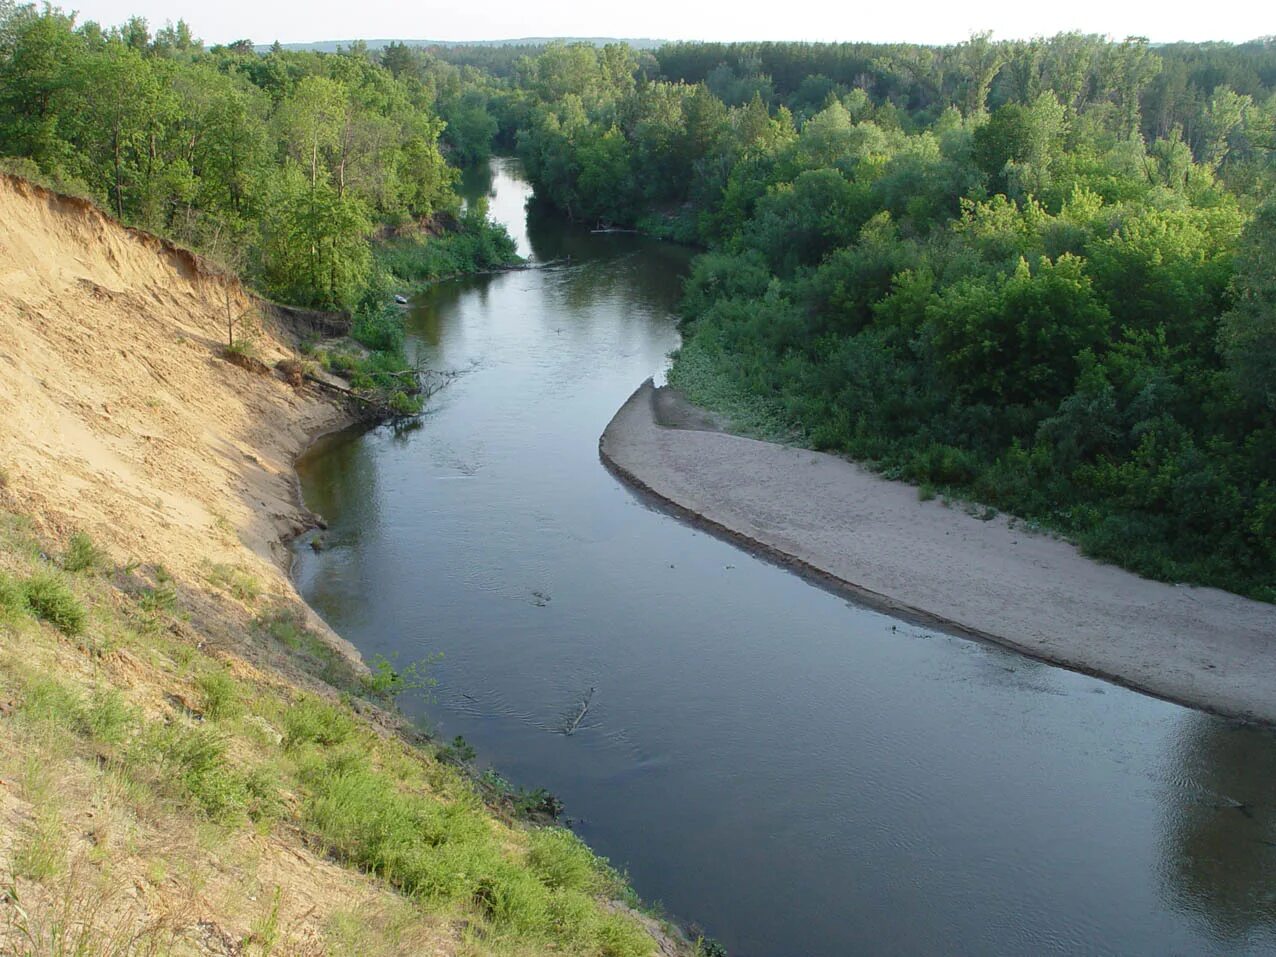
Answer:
[(926, 21)]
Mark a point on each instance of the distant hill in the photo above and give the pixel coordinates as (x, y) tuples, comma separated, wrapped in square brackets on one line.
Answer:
[(331, 46)]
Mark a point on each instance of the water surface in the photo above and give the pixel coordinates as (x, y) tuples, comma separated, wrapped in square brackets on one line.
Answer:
[(798, 775)]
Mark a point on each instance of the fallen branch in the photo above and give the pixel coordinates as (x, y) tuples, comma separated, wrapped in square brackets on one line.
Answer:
[(584, 709), (332, 387)]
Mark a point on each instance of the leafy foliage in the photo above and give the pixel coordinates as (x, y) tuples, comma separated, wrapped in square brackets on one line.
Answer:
[(279, 164), (1037, 273)]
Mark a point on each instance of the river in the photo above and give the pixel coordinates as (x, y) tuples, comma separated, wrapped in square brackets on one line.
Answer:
[(798, 775)]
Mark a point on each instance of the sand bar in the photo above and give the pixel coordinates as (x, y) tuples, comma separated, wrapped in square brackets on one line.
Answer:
[(871, 538)]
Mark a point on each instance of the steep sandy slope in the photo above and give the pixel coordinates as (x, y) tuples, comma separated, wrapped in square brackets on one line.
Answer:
[(175, 756), (115, 406)]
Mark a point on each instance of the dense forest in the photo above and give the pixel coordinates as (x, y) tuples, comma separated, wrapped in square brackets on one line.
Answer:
[(1040, 275), (280, 166)]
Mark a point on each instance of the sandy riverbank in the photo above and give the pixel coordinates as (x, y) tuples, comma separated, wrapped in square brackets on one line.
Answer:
[(185, 827), (873, 539), (118, 417)]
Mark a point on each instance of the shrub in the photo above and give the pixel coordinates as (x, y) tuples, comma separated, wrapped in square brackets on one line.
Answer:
[(195, 760), (83, 556), (162, 599), (312, 720), (49, 599), (220, 697), (108, 718)]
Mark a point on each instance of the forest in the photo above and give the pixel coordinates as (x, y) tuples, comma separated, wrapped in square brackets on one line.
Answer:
[(1035, 275), (281, 166), (1038, 276)]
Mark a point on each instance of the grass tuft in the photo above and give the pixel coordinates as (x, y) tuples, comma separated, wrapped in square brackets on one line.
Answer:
[(314, 721), (51, 600), (235, 580), (221, 698), (83, 556), (109, 718)]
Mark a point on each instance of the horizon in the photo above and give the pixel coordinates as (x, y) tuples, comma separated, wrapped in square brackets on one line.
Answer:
[(933, 24)]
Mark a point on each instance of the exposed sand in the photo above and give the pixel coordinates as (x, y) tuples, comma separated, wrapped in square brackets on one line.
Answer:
[(118, 417), (874, 540)]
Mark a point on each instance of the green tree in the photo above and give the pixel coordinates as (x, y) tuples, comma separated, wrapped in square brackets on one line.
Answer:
[(1248, 332), (315, 248)]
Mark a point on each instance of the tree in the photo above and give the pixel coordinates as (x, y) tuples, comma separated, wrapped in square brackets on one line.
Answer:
[(315, 248), (1019, 143), (37, 63), (123, 107), (980, 59), (1247, 335)]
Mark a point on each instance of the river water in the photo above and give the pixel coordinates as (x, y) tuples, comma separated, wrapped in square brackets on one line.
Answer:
[(798, 775)]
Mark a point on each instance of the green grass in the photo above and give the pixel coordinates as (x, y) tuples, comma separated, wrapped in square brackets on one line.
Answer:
[(702, 378), (314, 721), (221, 697), (108, 717), (46, 701), (51, 599), (287, 629), (446, 854), (82, 555), (231, 578), (13, 599), (191, 764), (40, 850)]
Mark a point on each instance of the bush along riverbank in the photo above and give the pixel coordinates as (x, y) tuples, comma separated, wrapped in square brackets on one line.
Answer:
[(372, 357), (451, 248)]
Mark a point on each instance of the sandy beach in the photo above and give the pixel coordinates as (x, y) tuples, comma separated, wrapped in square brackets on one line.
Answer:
[(872, 539)]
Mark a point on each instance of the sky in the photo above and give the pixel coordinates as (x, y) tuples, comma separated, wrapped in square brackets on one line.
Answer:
[(922, 21)]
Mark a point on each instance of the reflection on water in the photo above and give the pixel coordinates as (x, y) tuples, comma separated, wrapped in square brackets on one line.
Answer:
[(800, 776), (1220, 829)]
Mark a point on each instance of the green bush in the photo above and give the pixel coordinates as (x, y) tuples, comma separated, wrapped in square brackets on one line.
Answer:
[(83, 556), (192, 761), (51, 600), (314, 721), (220, 696), (108, 717)]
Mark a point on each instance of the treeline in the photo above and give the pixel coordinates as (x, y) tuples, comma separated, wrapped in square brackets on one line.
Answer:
[(1041, 275), (280, 166)]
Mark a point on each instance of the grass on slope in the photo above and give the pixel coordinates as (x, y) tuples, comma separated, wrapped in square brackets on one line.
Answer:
[(137, 767)]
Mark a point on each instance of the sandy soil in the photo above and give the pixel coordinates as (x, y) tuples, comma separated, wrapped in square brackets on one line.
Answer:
[(873, 539), (118, 416)]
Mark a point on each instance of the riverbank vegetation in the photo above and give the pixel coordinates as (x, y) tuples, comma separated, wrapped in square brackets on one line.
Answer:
[(467, 246), (160, 736), (283, 168), (1036, 273)]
